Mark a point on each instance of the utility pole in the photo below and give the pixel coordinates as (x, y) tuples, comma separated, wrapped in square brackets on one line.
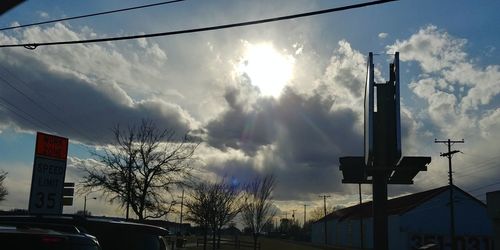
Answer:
[(129, 181), (293, 214), (305, 205), (361, 217), (449, 155), (324, 208), (182, 204)]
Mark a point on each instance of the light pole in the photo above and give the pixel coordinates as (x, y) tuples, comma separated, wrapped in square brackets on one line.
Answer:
[(85, 205), (182, 204)]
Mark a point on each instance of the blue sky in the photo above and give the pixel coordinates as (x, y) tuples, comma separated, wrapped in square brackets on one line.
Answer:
[(450, 84)]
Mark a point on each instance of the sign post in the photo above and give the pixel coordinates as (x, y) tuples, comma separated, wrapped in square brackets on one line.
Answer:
[(49, 170)]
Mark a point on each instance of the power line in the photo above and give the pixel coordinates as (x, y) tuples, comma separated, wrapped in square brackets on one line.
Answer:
[(196, 30), (43, 108), (480, 167), (485, 186), (90, 15), (26, 85), (17, 114), (22, 82), (26, 113)]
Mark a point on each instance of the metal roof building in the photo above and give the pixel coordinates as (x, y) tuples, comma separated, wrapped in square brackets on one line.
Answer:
[(414, 220)]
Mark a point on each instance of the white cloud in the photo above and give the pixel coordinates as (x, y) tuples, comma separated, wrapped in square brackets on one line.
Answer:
[(461, 101), (432, 48), (458, 92), (142, 42), (490, 124), (382, 35), (345, 76), (43, 14)]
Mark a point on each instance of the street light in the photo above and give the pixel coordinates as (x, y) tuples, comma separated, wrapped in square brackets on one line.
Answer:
[(85, 205)]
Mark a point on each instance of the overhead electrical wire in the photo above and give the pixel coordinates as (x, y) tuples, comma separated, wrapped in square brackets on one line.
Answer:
[(18, 115), (20, 81), (26, 85), (26, 113), (203, 29), (4, 80), (480, 167), (482, 187), (90, 15)]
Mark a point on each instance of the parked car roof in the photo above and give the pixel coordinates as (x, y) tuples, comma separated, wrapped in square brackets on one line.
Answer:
[(112, 233)]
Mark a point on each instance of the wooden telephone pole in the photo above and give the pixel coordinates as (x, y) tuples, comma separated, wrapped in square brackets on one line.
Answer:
[(324, 208), (449, 155)]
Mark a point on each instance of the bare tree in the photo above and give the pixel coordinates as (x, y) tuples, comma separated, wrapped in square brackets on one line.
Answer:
[(257, 209), (212, 206), (139, 169), (199, 208), (3, 189), (227, 206)]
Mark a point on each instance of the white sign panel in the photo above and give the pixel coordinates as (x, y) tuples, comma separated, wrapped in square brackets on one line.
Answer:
[(49, 170), (47, 186)]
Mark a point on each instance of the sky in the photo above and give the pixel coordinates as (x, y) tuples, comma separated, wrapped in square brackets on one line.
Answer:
[(283, 97)]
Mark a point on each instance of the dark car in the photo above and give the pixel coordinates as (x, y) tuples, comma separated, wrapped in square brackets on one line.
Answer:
[(33, 238), (112, 234)]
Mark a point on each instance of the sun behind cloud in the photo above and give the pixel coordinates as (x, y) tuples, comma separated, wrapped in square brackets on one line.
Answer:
[(267, 68)]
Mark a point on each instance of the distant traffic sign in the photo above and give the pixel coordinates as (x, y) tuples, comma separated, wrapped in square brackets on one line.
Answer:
[(49, 170)]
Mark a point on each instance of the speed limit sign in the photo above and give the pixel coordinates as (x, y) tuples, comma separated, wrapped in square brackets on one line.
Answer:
[(49, 170)]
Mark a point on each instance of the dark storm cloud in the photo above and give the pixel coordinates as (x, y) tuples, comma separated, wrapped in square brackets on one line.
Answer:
[(303, 135), (243, 127), (314, 133), (74, 105), (314, 137)]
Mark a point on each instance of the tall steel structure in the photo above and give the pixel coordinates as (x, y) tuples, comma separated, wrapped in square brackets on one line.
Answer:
[(382, 163)]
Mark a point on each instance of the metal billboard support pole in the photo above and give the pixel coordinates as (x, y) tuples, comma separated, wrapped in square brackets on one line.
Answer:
[(382, 155), (383, 137), (361, 231), (380, 224)]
